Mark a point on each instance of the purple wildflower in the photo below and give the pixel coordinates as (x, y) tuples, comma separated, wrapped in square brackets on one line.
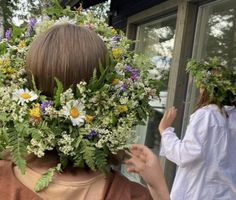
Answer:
[(124, 87), (44, 105), (8, 34), (128, 68), (31, 25), (91, 135), (116, 38), (134, 72)]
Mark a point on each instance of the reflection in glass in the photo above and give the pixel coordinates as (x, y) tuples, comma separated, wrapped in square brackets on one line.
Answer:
[(216, 35), (156, 41)]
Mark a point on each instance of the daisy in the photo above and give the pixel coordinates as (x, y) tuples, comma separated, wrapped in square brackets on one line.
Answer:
[(24, 96), (74, 110)]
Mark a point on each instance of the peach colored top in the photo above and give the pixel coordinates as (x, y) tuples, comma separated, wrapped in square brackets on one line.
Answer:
[(90, 189)]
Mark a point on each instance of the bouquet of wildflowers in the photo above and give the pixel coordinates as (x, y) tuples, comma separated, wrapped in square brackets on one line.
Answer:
[(84, 126)]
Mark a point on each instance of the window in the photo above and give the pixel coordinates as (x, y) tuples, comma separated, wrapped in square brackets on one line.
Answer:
[(215, 36), (156, 41)]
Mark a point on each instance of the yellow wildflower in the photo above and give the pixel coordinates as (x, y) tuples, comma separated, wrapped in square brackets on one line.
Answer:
[(116, 52), (89, 118), (22, 44), (122, 108), (114, 31), (1, 61), (35, 111), (8, 70), (115, 81)]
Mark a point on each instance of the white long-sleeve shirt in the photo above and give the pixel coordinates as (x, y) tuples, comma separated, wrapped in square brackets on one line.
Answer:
[(206, 157)]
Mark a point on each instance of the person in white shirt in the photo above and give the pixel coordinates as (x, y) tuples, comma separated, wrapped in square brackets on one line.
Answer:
[(206, 156)]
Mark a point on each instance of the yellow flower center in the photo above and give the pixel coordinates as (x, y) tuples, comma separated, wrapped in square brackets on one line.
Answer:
[(25, 95), (74, 112)]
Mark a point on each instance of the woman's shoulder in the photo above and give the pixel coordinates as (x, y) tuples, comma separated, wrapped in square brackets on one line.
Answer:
[(209, 114), (122, 188), (11, 188)]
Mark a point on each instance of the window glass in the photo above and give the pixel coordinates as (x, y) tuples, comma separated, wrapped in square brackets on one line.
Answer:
[(155, 40)]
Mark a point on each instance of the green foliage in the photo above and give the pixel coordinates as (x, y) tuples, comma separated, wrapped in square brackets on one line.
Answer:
[(218, 80), (18, 146), (96, 82), (59, 89), (101, 160), (88, 156), (45, 179)]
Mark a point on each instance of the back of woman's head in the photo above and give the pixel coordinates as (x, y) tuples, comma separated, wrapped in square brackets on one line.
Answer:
[(68, 52)]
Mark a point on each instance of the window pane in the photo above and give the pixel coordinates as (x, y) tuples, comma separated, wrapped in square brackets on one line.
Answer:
[(156, 41), (216, 33)]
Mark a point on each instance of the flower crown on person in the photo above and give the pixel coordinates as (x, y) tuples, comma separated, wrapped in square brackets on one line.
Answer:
[(217, 79), (84, 126)]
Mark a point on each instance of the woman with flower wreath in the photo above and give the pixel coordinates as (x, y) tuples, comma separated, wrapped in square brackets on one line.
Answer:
[(69, 53), (206, 155)]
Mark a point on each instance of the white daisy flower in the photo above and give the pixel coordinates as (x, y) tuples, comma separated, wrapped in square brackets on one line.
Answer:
[(74, 110), (24, 96)]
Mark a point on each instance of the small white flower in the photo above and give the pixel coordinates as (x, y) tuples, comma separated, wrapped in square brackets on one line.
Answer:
[(24, 96), (65, 20), (74, 110)]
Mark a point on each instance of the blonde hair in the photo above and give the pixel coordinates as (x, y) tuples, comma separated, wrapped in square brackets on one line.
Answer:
[(68, 52)]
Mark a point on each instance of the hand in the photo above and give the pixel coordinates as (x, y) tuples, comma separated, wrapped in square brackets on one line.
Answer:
[(167, 119), (144, 162)]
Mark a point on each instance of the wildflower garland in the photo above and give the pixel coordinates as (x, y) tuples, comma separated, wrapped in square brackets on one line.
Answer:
[(85, 126), (218, 80)]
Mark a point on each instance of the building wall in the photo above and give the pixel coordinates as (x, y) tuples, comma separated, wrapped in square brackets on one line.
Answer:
[(122, 9)]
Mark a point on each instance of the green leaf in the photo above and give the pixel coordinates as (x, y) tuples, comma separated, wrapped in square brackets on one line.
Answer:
[(101, 160), (18, 149), (16, 31), (59, 90), (78, 160), (88, 155), (44, 180)]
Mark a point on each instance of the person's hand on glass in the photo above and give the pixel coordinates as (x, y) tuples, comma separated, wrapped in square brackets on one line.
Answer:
[(167, 119)]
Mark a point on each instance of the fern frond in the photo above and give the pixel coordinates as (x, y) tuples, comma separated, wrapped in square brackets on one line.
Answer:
[(88, 156), (18, 149), (44, 180), (101, 160), (79, 161)]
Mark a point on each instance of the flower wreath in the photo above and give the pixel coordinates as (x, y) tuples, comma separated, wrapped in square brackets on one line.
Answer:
[(85, 126), (217, 79)]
